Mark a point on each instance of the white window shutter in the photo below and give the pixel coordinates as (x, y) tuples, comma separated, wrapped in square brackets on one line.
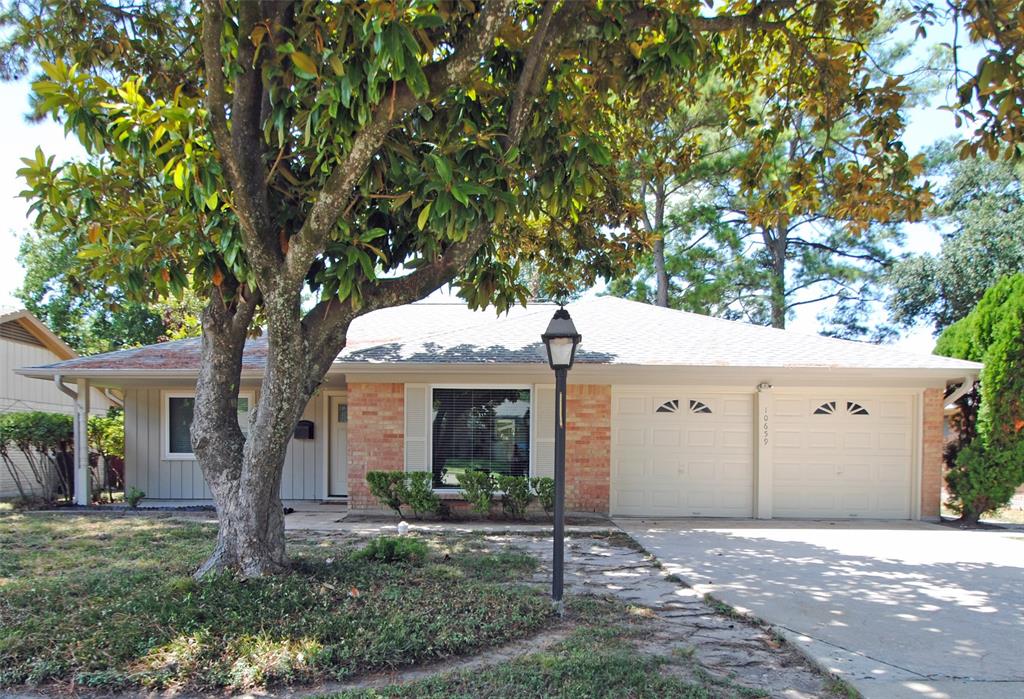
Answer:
[(417, 401), (544, 431)]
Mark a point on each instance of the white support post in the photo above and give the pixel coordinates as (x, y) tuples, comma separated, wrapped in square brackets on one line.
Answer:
[(764, 415), (83, 486)]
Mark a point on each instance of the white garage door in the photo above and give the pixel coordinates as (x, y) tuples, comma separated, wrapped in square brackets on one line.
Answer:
[(840, 456), (682, 453)]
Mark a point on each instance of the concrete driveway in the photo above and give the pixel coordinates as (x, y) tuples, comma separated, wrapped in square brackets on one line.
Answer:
[(900, 609)]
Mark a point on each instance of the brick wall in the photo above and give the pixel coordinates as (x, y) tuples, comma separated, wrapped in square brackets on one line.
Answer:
[(588, 448), (376, 438), (931, 454)]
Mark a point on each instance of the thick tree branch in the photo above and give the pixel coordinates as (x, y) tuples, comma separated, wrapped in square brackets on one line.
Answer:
[(339, 188), (531, 76), (251, 212)]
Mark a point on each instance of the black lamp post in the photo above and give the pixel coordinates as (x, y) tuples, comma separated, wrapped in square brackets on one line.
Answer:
[(561, 341)]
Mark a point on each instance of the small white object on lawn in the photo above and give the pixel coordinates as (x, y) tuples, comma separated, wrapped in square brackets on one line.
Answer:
[(403, 528)]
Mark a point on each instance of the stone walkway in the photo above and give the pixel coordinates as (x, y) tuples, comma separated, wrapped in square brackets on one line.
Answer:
[(726, 645)]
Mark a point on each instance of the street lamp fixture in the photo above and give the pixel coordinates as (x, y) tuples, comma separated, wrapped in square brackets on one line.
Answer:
[(561, 341)]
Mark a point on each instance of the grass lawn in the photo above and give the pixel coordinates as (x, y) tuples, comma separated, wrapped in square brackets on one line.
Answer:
[(108, 602), (607, 656)]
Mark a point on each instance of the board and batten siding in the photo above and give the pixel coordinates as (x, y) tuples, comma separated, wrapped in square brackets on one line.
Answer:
[(182, 479), (20, 393)]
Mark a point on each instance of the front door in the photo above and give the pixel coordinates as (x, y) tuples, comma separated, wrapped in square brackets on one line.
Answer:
[(337, 480)]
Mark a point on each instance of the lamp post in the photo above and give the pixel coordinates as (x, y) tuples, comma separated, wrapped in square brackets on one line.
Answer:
[(561, 341)]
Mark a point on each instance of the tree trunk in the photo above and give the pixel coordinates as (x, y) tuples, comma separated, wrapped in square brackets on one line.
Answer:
[(660, 275), (244, 481), (244, 474), (776, 245)]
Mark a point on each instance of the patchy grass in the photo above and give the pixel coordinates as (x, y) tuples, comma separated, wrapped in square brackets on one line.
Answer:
[(108, 602), (599, 660)]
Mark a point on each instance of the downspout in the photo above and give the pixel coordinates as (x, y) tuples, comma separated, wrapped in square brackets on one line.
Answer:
[(109, 394), (963, 389), (58, 380)]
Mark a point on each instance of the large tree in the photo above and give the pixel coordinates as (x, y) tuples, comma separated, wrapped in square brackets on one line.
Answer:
[(979, 211), (372, 152), (753, 225)]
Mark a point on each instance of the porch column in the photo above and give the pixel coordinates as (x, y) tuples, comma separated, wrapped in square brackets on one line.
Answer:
[(83, 486), (764, 414)]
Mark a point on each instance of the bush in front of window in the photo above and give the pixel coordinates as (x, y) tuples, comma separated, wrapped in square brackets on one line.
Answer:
[(516, 495), (544, 487), (388, 487), (478, 489), (419, 494)]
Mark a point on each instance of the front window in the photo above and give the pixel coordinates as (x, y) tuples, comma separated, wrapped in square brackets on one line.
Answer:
[(179, 409), (485, 429)]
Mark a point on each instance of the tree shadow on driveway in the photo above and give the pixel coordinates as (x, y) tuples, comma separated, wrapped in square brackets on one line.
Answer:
[(888, 601)]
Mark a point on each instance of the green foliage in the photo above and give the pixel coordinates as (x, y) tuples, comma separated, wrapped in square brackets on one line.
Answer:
[(750, 224), (515, 495), (44, 441), (980, 213), (332, 617), (544, 487), (394, 549), (478, 489), (985, 472), (88, 314), (388, 487), (35, 430), (419, 494), (106, 434), (983, 479), (133, 496)]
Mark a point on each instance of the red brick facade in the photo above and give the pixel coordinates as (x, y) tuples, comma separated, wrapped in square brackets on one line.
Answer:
[(588, 448), (931, 454), (377, 442)]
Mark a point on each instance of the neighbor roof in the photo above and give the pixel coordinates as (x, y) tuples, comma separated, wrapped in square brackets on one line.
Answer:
[(26, 321), (615, 332)]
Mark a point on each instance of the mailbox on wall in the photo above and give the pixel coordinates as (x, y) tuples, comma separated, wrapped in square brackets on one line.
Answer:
[(304, 430)]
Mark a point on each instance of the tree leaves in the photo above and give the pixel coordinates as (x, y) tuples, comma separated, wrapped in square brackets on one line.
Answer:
[(305, 67)]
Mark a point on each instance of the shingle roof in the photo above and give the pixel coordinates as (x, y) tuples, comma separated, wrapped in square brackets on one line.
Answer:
[(615, 331)]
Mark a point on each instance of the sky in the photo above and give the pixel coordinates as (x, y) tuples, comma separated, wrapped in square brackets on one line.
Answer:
[(21, 138)]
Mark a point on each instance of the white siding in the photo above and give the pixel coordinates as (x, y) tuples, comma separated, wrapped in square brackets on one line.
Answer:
[(19, 393), (163, 479)]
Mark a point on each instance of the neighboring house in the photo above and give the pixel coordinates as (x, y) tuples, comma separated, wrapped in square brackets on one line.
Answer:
[(25, 341), (669, 413)]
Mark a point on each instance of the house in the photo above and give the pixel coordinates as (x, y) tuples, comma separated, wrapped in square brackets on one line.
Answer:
[(669, 413), (25, 341)]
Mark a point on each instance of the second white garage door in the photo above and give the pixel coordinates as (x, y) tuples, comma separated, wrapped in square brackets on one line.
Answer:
[(842, 455), (682, 453)]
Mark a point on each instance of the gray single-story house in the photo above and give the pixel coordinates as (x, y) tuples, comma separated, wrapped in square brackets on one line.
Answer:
[(669, 413)]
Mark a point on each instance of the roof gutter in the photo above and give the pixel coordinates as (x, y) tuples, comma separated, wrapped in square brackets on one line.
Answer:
[(963, 389)]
